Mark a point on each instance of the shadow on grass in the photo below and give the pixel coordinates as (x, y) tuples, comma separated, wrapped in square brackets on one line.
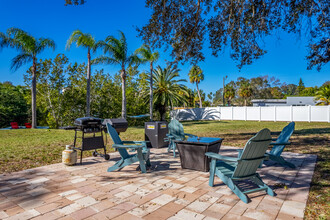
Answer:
[(313, 131), (190, 123)]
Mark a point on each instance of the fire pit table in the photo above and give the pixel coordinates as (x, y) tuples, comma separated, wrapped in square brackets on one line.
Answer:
[(192, 152)]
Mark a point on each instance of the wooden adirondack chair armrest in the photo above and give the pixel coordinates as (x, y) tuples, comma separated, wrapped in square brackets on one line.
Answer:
[(283, 143), (220, 157), (127, 146), (169, 137), (189, 135), (135, 142)]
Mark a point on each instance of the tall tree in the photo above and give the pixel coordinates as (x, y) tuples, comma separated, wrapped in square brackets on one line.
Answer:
[(148, 56), (323, 95), (167, 89), (87, 41), (74, 2), (29, 47), (229, 93), (118, 54), (196, 76), (184, 26), (245, 91), (51, 88), (13, 105), (301, 87)]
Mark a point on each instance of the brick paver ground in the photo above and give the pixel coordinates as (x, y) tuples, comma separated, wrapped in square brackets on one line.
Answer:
[(166, 192)]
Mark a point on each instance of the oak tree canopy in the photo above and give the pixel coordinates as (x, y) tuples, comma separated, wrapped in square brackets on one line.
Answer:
[(185, 27)]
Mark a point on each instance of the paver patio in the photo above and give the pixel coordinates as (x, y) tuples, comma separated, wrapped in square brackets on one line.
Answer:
[(166, 192)]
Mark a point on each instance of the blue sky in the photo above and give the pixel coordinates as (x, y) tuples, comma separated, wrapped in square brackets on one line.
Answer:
[(285, 58)]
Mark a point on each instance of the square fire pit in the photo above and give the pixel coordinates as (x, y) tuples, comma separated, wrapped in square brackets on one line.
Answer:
[(192, 152)]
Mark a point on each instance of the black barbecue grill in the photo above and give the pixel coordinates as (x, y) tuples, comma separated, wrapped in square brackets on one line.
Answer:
[(91, 136), (92, 133)]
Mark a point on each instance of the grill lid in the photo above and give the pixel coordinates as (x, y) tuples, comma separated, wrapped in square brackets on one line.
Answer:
[(88, 121), (120, 124)]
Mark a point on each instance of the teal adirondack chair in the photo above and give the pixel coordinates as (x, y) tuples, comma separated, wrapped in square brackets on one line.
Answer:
[(279, 145), (175, 133), (142, 154), (232, 171)]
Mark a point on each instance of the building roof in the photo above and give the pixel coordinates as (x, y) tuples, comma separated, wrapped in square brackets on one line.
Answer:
[(269, 100)]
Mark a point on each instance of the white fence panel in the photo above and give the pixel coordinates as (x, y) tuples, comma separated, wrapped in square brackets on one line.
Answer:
[(267, 113), (225, 113), (283, 113), (320, 113), (300, 113), (239, 113), (253, 113)]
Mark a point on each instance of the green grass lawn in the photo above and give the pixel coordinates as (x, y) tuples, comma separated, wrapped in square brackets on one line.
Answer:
[(23, 149)]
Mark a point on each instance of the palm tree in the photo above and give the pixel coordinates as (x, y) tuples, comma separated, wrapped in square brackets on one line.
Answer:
[(87, 41), (167, 89), (148, 56), (245, 91), (118, 54), (229, 93), (29, 47), (323, 95), (196, 76)]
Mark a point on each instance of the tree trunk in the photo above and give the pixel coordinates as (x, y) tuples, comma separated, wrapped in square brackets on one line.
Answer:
[(244, 102), (123, 87), (34, 94), (199, 95), (162, 111), (151, 92), (88, 88)]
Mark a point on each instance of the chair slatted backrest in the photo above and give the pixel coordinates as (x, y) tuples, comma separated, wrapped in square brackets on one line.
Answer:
[(283, 138), (116, 139), (253, 153), (175, 128)]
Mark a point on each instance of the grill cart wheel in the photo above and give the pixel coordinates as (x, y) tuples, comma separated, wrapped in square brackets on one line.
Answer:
[(107, 157), (94, 154)]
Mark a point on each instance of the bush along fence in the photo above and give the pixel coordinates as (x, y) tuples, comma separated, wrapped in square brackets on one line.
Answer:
[(269, 113)]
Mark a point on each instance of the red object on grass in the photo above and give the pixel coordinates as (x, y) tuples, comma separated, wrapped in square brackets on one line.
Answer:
[(28, 125), (14, 125)]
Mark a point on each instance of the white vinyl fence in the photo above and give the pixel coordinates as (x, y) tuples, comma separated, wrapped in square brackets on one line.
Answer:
[(247, 113)]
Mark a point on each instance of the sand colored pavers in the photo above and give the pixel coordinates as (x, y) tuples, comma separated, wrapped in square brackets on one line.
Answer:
[(165, 192)]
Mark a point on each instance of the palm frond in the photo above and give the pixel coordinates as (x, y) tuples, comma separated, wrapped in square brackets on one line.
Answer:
[(81, 39), (114, 48), (167, 90), (16, 31), (133, 59), (21, 40), (123, 43), (99, 45), (4, 40), (44, 43), (20, 60), (104, 60), (196, 74), (146, 54)]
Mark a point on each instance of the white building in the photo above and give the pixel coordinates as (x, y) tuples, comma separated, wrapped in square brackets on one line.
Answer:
[(294, 101)]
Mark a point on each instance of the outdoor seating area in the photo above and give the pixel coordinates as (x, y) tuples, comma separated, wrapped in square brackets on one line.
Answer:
[(165, 192), (157, 110)]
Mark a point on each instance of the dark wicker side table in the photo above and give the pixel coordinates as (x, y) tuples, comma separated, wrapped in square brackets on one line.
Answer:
[(192, 152)]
